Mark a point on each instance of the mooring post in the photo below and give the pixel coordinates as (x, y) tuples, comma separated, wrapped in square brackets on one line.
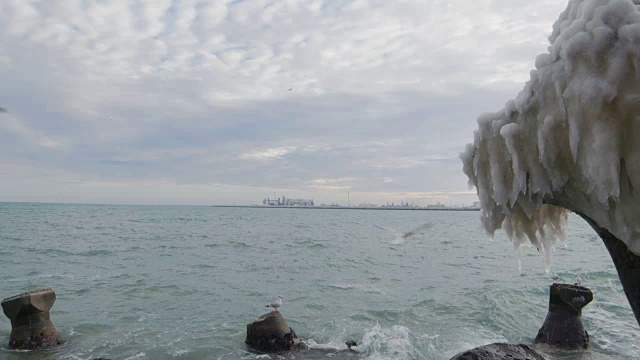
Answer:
[(563, 325), (31, 327)]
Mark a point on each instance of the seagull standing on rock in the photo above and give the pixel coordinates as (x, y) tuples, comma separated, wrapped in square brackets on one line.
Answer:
[(578, 280), (276, 304)]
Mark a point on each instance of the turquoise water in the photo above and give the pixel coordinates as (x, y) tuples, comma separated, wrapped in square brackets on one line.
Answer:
[(164, 282)]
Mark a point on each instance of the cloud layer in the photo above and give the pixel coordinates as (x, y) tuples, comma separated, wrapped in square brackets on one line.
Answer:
[(226, 102)]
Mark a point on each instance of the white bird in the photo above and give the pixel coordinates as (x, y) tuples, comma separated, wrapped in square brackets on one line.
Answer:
[(578, 280), (276, 304)]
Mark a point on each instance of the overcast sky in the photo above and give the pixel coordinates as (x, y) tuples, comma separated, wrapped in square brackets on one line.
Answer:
[(227, 102)]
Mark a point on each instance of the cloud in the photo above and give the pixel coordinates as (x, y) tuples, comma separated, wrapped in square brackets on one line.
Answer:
[(196, 93), (332, 184), (19, 128), (268, 154)]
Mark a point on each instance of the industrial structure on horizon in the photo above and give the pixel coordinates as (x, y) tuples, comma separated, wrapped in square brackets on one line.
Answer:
[(287, 202), (404, 205)]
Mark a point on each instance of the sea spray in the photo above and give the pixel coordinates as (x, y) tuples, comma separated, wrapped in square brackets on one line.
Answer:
[(395, 342)]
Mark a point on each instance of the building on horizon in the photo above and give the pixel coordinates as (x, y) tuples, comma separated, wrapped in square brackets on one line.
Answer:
[(287, 202), (369, 205), (437, 205), (403, 205)]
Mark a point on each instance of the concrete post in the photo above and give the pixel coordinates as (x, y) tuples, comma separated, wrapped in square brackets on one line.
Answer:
[(31, 327), (563, 325)]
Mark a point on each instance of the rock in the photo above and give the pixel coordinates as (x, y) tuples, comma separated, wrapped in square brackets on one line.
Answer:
[(271, 333), (351, 343), (563, 325), (31, 327), (499, 351)]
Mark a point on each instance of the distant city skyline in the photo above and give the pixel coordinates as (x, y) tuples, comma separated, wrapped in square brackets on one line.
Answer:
[(217, 102), (408, 202)]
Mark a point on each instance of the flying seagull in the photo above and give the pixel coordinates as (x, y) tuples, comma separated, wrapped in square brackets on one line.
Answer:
[(276, 304), (414, 231), (401, 236)]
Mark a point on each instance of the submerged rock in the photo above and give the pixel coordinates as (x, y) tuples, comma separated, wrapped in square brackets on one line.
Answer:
[(271, 333), (563, 325), (31, 327), (499, 351), (350, 344)]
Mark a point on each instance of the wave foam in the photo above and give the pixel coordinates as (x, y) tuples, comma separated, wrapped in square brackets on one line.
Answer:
[(389, 343)]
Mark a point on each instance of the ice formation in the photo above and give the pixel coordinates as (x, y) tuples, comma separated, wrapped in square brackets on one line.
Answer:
[(571, 137)]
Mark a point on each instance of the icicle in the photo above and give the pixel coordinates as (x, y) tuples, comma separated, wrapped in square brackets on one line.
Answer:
[(568, 135)]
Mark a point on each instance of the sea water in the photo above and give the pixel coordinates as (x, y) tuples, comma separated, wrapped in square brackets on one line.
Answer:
[(178, 282)]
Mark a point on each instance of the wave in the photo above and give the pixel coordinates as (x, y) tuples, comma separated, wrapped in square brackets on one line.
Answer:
[(239, 244), (95, 253), (60, 252), (389, 343), (139, 355), (309, 244), (203, 266), (378, 343), (365, 287)]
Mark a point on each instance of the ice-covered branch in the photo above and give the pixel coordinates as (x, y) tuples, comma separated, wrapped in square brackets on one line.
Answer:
[(571, 137)]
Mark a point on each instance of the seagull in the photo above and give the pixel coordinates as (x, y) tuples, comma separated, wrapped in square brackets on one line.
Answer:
[(401, 236), (276, 304), (555, 278), (350, 343), (578, 280), (412, 232)]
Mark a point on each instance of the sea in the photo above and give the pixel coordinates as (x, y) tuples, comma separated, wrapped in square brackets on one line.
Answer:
[(183, 282)]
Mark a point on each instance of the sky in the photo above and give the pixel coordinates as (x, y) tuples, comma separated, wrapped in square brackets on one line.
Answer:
[(229, 102)]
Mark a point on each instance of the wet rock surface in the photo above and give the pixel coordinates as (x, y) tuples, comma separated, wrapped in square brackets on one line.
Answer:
[(31, 326), (272, 333), (499, 351), (563, 325)]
